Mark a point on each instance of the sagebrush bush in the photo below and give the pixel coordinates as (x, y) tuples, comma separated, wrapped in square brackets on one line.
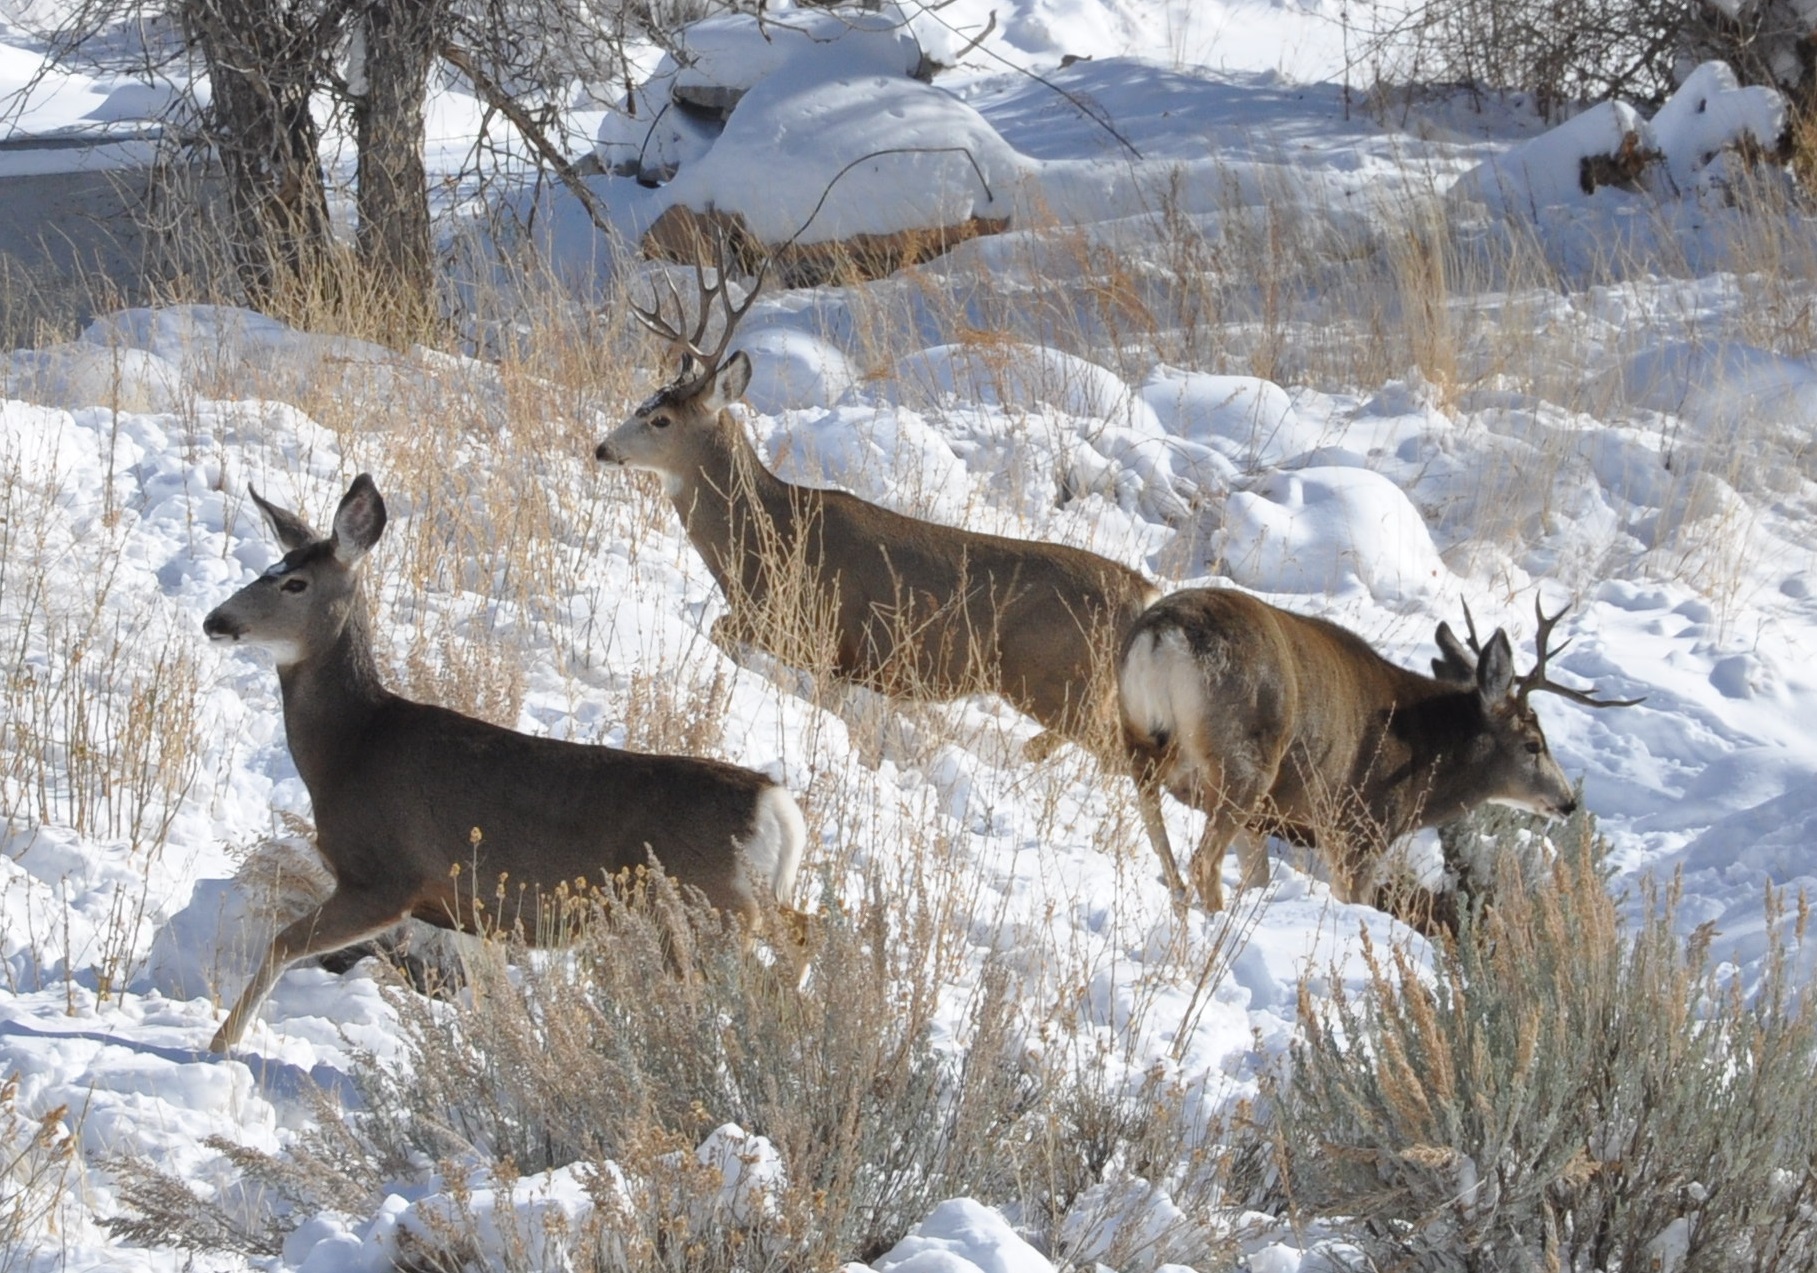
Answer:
[(1559, 1090), (880, 1089)]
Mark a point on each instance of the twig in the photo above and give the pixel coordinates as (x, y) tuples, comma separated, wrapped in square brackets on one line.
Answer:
[(506, 105), (1090, 110), (875, 154)]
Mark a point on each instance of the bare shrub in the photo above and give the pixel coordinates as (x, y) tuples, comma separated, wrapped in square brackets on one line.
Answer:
[(161, 1209), (1766, 42), (1562, 53), (1560, 1091)]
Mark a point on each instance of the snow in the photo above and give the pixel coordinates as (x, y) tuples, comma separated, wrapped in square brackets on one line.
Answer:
[(1709, 113), (872, 154), (1327, 531), (1668, 494), (962, 1236)]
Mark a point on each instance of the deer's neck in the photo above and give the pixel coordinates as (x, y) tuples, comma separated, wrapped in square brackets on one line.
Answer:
[(1424, 772), (329, 699), (730, 504)]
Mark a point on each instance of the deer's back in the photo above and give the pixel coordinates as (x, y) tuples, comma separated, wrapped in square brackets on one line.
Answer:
[(949, 611), (426, 779)]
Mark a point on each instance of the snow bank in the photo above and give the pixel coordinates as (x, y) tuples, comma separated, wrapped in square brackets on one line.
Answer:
[(865, 154), (1326, 531), (1679, 151), (962, 1236)]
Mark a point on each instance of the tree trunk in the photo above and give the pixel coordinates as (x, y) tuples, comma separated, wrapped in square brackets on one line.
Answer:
[(401, 39), (264, 60)]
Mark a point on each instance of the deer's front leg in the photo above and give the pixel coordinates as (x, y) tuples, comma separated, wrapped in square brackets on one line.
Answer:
[(350, 915)]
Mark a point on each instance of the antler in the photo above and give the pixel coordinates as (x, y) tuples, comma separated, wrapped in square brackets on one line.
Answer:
[(1537, 680), (653, 319)]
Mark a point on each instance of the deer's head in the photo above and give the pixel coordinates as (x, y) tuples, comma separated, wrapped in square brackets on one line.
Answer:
[(675, 430), (299, 607), (1509, 755)]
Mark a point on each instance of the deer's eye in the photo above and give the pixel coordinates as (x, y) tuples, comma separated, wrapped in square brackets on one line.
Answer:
[(1534, 748), (659, 422), (294, 585)]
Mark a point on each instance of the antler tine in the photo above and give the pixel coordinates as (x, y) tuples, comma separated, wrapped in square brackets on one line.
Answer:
[(654, 319), (1476, 646), (705, 318), (734, 314), (1537, 681), (1585, 697), (706, 293), (655, 322), (1542, 636)]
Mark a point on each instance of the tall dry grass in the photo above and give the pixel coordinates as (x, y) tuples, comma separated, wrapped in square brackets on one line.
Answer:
[(37, 1157), (854, 1118)]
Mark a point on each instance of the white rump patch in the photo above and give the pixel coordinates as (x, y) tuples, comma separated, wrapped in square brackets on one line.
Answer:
[(1161, 684), (778, 835)]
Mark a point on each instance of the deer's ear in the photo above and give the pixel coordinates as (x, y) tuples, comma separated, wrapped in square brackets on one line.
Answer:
[(730, 381), (1455, 663), (1495, 670), (292, 531), (359, 521)]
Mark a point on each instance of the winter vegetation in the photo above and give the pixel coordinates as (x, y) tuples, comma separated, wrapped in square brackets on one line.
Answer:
[(1450, 314)]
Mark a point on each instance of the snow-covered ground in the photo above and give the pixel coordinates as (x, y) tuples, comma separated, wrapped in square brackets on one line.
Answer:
[(1659, 474)]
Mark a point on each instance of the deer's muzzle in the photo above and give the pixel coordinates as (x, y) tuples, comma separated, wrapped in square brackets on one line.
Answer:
[(219, 627)]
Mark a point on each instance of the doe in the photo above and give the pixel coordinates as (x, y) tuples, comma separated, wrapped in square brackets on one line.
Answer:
[(416, 806)]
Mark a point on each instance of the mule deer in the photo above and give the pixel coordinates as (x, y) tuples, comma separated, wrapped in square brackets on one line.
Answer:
[(909, 608), (1280, 724), (418, 808)]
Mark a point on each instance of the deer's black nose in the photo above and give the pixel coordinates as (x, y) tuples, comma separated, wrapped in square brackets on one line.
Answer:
[(220, 628), (603, 453)]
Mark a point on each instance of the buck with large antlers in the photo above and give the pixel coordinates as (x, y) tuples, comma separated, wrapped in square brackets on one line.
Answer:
[(423, 812), (909, 608), (1279, 724)]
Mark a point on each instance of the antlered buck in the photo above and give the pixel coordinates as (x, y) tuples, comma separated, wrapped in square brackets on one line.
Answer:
[(909, 608), (404, 793), (1280, 724)]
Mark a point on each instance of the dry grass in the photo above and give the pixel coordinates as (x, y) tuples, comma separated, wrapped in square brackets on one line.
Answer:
[(37, 1155), (606, 1062)]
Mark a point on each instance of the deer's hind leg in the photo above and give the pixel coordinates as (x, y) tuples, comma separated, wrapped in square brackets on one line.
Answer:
[(1232, 788), (1222, 828), (1148, 801)]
